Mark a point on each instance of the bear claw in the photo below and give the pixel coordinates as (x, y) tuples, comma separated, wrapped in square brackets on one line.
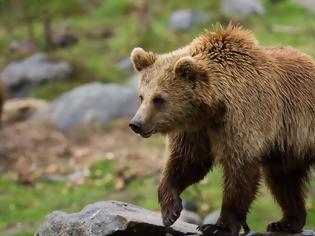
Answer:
[(170, 218), (217, 230), (282, 227), (172, 215)]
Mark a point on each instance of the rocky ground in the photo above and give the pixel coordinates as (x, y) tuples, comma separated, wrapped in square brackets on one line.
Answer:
[(123, 219), (112, 218), (34, 151)]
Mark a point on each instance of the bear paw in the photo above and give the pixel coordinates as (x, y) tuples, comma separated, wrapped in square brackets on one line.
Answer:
[(283, 228), (171, 204), (171, 211), (215, 230)]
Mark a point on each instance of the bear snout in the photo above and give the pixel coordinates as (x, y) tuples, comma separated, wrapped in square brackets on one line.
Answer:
[(136, 126)]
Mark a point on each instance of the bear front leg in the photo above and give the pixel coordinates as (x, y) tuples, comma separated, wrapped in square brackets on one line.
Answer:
[(189, 160), (240, 187)]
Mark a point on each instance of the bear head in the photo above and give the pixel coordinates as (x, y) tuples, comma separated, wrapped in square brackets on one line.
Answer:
[(169, 91)]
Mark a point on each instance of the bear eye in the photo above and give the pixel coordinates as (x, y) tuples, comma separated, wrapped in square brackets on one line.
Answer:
[(141, 98), (158, 101)]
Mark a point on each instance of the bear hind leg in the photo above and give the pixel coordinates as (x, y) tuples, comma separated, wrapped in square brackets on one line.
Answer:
[(287, 183), (239, 192)]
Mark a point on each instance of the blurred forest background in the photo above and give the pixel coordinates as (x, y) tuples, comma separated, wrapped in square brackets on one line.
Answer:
[(65, 65)]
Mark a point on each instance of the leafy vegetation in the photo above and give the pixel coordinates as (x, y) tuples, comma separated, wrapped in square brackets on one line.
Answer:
[(28, 12), (109, 30)]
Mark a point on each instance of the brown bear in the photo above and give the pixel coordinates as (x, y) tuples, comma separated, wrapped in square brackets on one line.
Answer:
[(226, 99)]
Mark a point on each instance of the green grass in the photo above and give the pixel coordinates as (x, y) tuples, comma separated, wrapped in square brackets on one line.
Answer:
[(52, 89), (263, 211), (27, 205)]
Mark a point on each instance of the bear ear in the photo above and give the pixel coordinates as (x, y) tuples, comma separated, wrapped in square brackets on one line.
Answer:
[(187, 68), (141, 59)]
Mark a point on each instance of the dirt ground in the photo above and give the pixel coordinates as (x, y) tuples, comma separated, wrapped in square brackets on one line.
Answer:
[(33, 151)]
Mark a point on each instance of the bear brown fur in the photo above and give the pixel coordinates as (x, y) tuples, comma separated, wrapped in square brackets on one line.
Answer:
[(225, 99)]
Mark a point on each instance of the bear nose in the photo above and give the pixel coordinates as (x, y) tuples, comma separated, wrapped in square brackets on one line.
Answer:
[(135, 126)]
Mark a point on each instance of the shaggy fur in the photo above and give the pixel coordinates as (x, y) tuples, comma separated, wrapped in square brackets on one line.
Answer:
[(226, 99)]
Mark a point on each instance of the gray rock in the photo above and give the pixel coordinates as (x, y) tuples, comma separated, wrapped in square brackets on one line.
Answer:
[(125, 64), (242, 8), (21, 77), (75, 178), (212, 217), (54, 178), (90, 103), (78, 177), (190, 205), (133, 82), (304, 233), (111, 218), (65, 40), (17, 109), (307, 4), (119, 219), (185, 19), (190, 217)]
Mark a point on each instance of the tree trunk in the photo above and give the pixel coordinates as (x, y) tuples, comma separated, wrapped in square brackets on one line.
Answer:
[(30, 30), (144, 15), (48, 34), (28, 19)]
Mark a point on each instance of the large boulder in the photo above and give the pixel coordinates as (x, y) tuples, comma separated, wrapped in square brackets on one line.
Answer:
[(133, 82), (242, 8), (189, 213), (21, 77), (90, 103), (185, 19), (212, 217), (190, 217), (307, 4), (111, 218), (16, 109), (125, 64), (120, 219)]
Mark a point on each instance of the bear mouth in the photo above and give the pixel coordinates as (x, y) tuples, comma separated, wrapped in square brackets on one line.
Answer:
[(147, 134)]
